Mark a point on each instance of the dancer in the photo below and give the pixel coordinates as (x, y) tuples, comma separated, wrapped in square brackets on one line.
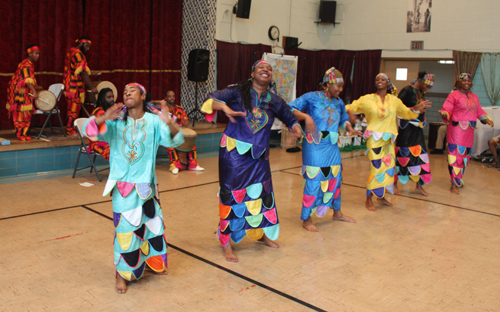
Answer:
[(76, 74), (19, 99), (460, 112), (246, 197), (380, 109), (323, 113), (105, 99), (139, 228), (182, 120), (412, 159)]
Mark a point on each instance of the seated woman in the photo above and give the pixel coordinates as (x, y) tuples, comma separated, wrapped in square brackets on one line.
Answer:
[(105, 100)]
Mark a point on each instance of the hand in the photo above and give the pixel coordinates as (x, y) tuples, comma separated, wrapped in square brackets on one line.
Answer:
[(231, 113), (38, 88), (163, 103), (296, 131), (113, 112), (310, 125), (35, 95), (443, 114), (94, 90), (350, 129), (165, 117), (422, 106), (490, 122)]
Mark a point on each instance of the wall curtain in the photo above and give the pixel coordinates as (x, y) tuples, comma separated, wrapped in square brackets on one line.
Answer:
[(466, 62), (131, 41), (490, 64), (234, 64)]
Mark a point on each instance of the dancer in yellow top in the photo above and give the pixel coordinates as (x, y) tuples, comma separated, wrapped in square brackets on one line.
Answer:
[(381, 109)]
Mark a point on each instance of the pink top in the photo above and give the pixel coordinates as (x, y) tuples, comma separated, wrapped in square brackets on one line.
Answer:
[(463, 107)]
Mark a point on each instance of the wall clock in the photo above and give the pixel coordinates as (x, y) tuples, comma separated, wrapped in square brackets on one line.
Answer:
[(274, 33)]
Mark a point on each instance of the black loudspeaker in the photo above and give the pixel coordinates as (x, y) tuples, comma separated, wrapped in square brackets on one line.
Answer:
[(198, 65), (327, 11), (290, 42), (243, 8)]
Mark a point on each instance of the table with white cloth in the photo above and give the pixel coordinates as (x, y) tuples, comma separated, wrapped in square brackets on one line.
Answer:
[(484, 132)]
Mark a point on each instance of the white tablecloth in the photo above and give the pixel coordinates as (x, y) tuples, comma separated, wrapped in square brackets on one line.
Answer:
[(484, 132)]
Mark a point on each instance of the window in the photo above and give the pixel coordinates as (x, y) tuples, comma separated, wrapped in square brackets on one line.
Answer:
[(402, 74)]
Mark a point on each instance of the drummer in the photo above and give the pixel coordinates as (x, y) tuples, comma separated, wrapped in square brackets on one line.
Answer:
[(105, 100), (182, 120), (76, 74), (21, 92)]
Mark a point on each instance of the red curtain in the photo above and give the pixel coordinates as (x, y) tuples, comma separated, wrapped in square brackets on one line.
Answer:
[(52, 25), (234, 64), (366, 68), (132, 41), (141, 42)]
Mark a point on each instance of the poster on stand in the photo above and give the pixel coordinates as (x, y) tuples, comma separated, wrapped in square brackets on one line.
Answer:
[(284, 77)]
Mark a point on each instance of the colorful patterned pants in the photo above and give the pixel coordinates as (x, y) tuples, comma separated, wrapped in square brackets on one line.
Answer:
[(22, 121), (74, 107), (176, 162)]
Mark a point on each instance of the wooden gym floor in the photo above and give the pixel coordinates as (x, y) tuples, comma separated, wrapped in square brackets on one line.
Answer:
[(425, 254)]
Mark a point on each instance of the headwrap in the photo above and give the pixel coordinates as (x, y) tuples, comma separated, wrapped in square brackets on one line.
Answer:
[(258, 63), (332, 75), (31, 49), (463, 76), (138, 86), (83, 39), (390, 87), (428, 79)]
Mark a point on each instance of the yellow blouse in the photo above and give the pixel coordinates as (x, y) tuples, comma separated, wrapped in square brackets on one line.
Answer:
[(381, 117)]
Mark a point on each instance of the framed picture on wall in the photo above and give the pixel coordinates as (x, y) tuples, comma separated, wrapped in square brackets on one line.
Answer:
[(418, 16)]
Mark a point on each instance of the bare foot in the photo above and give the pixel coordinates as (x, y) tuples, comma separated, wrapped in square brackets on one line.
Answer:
[(121, 284), (396, 189), (308, 225), (385, 201), (229, 254), (339, 216), (454, 189), (369, 204), (420, 189), (268, 242)]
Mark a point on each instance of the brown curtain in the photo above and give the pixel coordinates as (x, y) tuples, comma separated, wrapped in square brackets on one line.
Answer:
[(466, 62)]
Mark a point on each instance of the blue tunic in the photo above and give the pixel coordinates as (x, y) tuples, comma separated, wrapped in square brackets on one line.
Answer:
[(321, 161), (137, 215), (246, 197)]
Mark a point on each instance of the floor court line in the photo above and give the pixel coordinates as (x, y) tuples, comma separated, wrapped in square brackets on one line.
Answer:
[(215, 265)]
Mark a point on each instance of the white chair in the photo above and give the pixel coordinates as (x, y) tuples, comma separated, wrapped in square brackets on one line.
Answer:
[(57, 89), (84, 149)]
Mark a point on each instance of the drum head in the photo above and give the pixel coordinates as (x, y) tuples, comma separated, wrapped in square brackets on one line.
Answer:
[(107, 84), (189, 133), (46, 101)]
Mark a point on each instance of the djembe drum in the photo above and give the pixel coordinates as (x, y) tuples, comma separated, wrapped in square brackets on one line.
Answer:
[(99, 85), (186, 147), (46, 101)]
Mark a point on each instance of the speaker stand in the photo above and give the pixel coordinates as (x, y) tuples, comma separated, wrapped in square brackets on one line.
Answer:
[(195, 112)]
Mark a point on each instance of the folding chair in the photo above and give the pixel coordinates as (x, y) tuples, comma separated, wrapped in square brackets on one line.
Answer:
[(57, 89), (84, 149)]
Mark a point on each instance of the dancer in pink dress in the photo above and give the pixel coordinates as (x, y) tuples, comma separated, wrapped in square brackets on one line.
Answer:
[(460, 112)]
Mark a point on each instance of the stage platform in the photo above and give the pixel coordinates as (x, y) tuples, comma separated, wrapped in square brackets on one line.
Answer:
[(53, 152)]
